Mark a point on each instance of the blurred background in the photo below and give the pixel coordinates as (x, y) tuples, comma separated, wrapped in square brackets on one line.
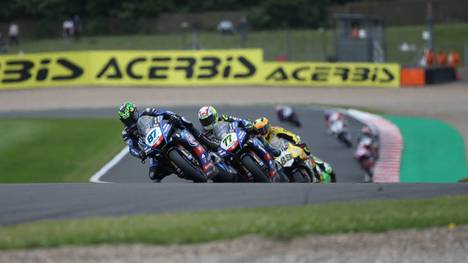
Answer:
[(400, 31)]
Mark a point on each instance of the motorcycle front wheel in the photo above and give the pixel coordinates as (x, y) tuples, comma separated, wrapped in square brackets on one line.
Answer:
[(188, 168), (258, 175)]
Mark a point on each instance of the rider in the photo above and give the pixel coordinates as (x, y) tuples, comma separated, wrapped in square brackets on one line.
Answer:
[(268, 133), (287, 113), (128, 114), (209, 118), (366, 153)]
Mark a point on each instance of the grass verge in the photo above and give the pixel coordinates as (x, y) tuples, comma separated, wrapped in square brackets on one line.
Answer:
[(275, 222), (56, 150)]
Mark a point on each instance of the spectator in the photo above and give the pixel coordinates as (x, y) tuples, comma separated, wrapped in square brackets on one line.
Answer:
[(355, 32), (453, 58), (76, 27), (68, 28), (243, 30), (442, 58), (428, 57), (225, 27), (13, 34)]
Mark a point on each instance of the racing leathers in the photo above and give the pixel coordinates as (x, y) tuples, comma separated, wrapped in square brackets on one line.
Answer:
[(264, 154), (157, 171), (320, 168)]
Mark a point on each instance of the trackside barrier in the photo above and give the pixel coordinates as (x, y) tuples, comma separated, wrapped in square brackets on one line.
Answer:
[(387, 168), (184, 67)]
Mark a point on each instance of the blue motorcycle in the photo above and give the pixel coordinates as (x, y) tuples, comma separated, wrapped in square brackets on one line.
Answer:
[(242, 151), (177, 149)]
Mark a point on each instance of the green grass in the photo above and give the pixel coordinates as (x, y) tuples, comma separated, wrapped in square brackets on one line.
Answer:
[(300, 45), (275, 222), (56, 150)]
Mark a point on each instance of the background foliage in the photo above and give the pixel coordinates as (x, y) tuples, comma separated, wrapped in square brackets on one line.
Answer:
[(262, 13)]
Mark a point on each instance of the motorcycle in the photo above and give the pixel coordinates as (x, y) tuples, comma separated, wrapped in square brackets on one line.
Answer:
[(323, 172), (288, 114), (338, 129), (177, 149), (240, 150), (295, 163)]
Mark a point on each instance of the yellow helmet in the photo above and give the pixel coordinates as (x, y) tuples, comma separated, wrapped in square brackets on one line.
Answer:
[(262, 125)]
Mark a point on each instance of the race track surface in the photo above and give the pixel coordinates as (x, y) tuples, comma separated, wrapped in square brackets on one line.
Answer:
[(21, 203), (134, 194)]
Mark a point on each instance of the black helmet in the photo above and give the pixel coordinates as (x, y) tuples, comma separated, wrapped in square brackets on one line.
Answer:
[(128, 113)]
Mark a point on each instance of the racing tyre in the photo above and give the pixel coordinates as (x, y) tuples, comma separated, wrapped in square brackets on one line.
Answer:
[(251, 165), (298, 176), (223, 176), (191, 171)]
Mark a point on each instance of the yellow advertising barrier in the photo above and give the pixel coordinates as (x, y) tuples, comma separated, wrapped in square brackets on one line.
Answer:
[(206, 67), (44, 69), (331, 74), (213, 67)]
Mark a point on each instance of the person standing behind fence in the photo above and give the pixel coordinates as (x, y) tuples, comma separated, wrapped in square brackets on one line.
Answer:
[(68, 28), (13, 34), (453, 58), (442, 58), (76, 27)]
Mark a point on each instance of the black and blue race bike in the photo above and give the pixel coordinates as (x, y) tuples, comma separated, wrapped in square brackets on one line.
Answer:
[(242, 151)]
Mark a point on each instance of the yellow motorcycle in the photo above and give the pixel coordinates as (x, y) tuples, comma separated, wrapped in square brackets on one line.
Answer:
[(295, 163), (300, 167)]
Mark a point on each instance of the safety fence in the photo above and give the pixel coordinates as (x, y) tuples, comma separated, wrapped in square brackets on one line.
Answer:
[(185, 67)]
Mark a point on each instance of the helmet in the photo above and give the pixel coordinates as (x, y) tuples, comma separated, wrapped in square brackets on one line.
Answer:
[(128, 113), (208, 117), (262, 125), (366, 131)]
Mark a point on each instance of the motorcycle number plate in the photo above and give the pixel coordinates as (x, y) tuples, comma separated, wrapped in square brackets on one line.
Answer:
[(153, 137), (228, 141), (285, 159)]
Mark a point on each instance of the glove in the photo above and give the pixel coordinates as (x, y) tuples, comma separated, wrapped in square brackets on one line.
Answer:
[(176, 121), (305, 148), (142, 155), (250, 128)]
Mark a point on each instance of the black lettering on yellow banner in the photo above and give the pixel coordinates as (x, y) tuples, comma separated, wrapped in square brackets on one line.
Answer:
[(159, 72), (183, 67), (17, 71), (113, 66), (332, 74)]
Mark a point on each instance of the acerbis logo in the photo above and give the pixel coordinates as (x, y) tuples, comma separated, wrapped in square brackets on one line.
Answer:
[(21, 70), (162, 67), (338, 73)]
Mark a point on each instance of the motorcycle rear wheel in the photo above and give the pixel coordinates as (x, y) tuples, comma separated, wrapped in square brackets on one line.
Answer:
[(298, 176), (191, 172)]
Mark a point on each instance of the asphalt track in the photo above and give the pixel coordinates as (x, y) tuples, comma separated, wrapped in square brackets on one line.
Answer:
[(133, 194)]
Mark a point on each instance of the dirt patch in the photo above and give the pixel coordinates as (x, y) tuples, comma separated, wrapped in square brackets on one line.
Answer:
[(433, 245)]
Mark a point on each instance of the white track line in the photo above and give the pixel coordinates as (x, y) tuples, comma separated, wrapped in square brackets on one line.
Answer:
[(96, 178)]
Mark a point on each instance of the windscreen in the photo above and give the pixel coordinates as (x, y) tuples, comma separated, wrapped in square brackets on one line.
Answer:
[(144, 124), (221, 129)]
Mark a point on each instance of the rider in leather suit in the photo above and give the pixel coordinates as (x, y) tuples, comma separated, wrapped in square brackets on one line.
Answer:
[(209, 118), (128, 114), (268, 133)]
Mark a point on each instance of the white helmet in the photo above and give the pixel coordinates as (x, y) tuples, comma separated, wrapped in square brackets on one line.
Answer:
[(208, 117)]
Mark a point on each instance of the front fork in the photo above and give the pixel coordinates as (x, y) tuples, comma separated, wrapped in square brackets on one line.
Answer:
[(266, 157), (203, 157)]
